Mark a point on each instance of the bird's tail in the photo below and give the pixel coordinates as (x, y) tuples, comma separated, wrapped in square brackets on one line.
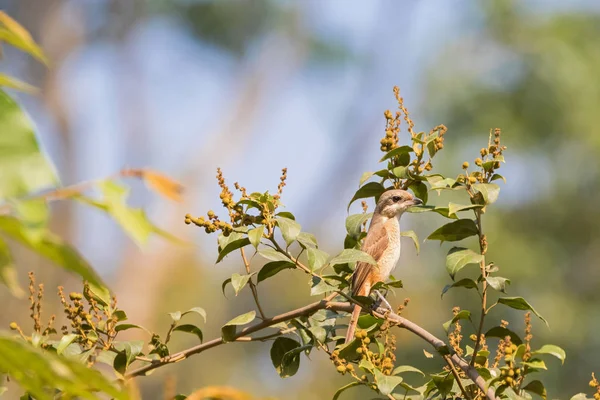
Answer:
[(352, 324)]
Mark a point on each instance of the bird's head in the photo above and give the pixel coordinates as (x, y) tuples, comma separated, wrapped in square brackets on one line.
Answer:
[(393, 203)]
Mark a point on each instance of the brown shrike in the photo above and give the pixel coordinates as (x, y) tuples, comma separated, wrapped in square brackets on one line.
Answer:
[(383, 244)]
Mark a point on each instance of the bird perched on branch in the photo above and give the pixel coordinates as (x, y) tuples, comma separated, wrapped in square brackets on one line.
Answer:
[(383, 244)]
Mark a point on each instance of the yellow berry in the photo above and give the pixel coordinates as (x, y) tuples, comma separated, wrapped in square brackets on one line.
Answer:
[(509, 380), (483, 151), (507, 359), (14, 326), (465, 165), (508, 350), (359, 350), (349, 367), (478, 161), (503, 372), (367, 340), (341, 368), (593, 382), (472, 179), (511, 372)]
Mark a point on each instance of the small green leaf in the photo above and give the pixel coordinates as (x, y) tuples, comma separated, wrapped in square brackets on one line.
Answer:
[(285, 367), (459, 257), (228, 330), (316, 259), (124, 327), (355, 222), (386, 383), (462, 314), (443, 382), (420, 190), (352, 256), (454, 231), (519, 303), (536, 387), (290, 229), (489, 191), (371, 189), (239, 281), (553, 351), (237, 244), (307, 240), (255, 235), (401, 172), (320, 286), (224, 285), (443, 211), (497, 176), (286, 214), (175, 316), (414, 237), (406, 368), (396, 152), (189, 328), (500, 332), (438, 182), (498, 283), (337, 394), (466, 283), (65, 341), (535, 363), (273, 268), (273, 255), (197, 310), (453, 208)]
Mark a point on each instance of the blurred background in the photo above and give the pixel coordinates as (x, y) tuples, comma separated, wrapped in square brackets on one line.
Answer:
[(186, 86)]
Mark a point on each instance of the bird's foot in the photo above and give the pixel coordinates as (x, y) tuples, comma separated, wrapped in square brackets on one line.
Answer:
[(381, 300)]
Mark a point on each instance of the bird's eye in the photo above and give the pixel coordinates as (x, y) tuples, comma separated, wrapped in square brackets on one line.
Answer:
[(396, 199)]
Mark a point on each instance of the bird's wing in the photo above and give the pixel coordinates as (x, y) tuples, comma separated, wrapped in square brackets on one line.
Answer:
[(375, 244)]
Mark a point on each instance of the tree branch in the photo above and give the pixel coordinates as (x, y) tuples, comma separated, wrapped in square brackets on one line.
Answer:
[(401, 322), (252, 285)]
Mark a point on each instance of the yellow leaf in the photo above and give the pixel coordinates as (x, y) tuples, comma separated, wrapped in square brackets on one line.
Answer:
[(158, 182), (13, 33), (14, 83)]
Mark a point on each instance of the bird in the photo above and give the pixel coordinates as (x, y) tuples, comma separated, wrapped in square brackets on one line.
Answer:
[(383, 244)]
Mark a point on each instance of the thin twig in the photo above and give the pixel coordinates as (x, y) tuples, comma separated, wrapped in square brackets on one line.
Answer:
[(252, 285), (483, 290), (456, 376)]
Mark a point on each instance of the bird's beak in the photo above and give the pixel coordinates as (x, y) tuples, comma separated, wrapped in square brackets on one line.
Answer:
[(416, 201)]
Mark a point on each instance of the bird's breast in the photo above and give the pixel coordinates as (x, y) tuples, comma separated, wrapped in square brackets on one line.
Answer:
[(391, 255)]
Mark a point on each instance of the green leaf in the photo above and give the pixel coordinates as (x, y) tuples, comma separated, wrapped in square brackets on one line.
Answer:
[(133, 221), (337, 394), (273, 255), (14, 83), (352, 256), (454, 231), (536, 387), (466, 283), (64, 342), (231, 246), (498, 283), (124, 327), (500, 332), (453, 208), (401, 172), (459, 257), (553, 351), (462, 314), (53, 248), (239, 281), (406, 368), (316, 259), (443, 211), (8, 273), (273, 268), (285, 367), (196, 310), (396, 152), (320, 286), (355, 222), (535, 363), (420, 190), (290, 229), (371, 189), (23, 167), (307, 240), (189, 328), (386, 383), (519, 303), (443, 382), (14, 34), (438, 182), (414, 237), (497, 176), (175, 316), (255, 235), (489, 191), (286, 214), (228, 330)]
